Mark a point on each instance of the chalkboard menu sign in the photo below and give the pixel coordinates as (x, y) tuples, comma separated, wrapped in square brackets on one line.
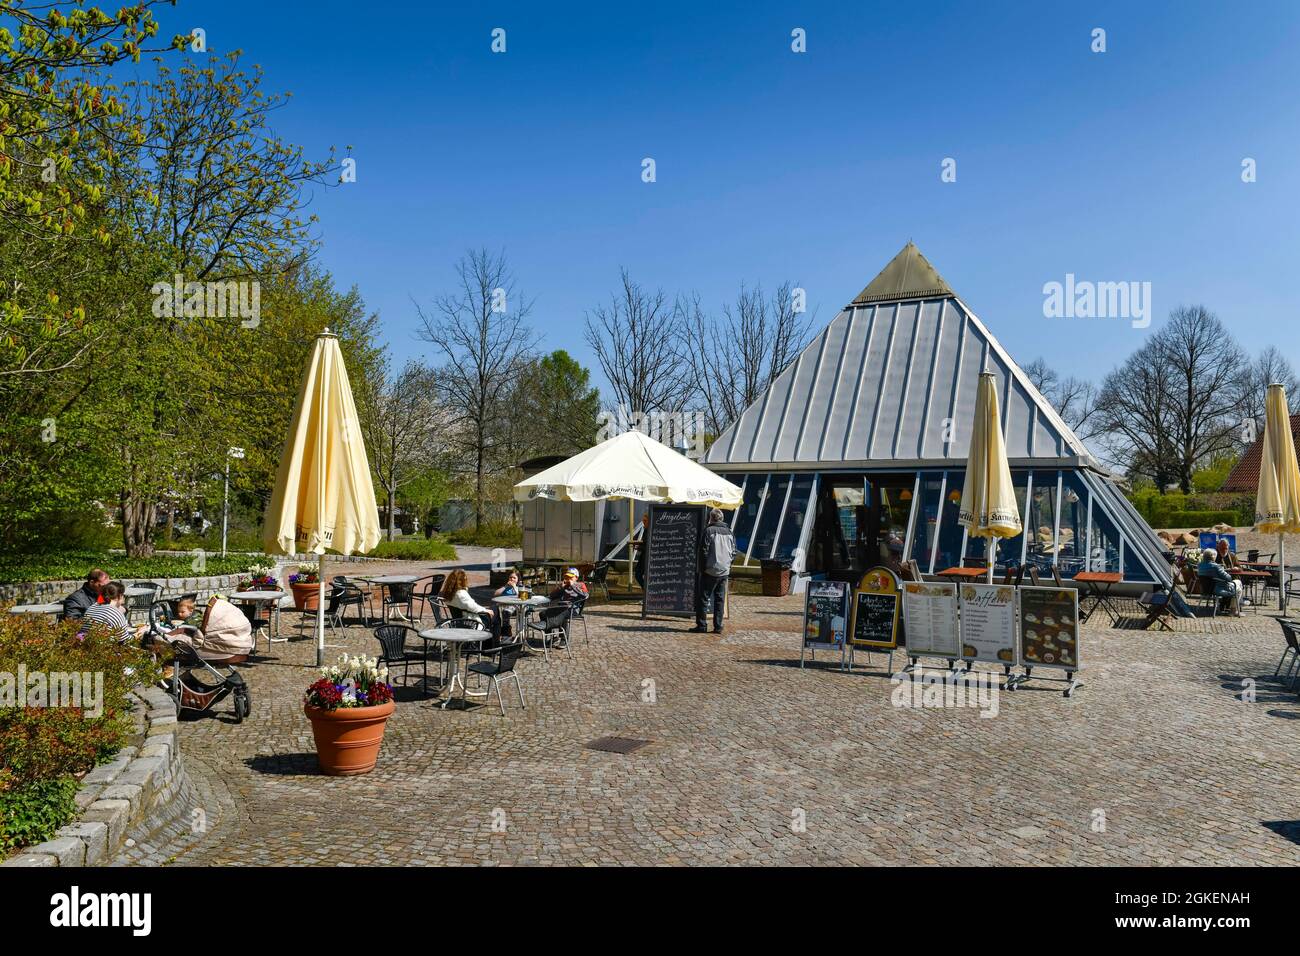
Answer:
[(825, 615), (672, 569), (875, 620), (1049, 627), (988, 623)]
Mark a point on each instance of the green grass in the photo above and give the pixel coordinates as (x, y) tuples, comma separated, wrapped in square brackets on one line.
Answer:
[(416, 549), (73, 565)]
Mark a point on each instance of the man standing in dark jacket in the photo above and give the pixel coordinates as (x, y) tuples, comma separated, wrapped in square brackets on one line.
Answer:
[(717, 551), (85, 597)]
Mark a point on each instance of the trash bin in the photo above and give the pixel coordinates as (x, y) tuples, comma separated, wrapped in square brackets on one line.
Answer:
[(776, 578)]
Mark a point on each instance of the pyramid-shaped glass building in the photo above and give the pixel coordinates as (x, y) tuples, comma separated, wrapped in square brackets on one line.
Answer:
[(857, 452)]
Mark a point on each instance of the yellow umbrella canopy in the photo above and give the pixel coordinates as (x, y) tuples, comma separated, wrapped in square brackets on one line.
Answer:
[(1277, 502), (323, 496), (988, 500)]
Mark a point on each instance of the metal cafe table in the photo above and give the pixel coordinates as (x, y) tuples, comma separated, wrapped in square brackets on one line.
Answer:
[(387, 581), (264, 597), (455, 638), (1250, 579), (1097, 585), (966, 574), (53, 608), (520, 608)]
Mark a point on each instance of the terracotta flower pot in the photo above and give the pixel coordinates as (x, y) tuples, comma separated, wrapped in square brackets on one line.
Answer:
[(306, 597), (348, 739)]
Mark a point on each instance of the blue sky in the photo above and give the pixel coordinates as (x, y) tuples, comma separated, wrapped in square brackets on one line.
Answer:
[(814, 167)]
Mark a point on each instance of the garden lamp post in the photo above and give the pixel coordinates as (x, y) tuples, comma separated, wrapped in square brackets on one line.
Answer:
[(231, 452)]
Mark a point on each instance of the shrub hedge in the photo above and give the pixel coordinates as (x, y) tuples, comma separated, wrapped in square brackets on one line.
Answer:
[(1201, 519), (415, 549), (44, 747), (73, 565), (493, 534)]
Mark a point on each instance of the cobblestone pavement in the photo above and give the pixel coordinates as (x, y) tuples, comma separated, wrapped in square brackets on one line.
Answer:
[(1157, 760)]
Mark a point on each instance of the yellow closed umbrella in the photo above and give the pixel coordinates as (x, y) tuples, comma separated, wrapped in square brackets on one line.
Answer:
[(1277, 503), (323, 497), (988, 500)]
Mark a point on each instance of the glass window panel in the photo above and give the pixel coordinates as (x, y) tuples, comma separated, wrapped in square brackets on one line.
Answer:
[(1103, 541), (770, 518), (1071, 556), (1008, 552), (1041, 522), (794, 516), (1133, 569), (895, 508), (748, 511), (950, 532), (927, 520)]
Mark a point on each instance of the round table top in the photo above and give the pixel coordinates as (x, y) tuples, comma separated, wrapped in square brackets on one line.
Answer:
[(456, 635), (257, 595), (512, 600), (36, 609), (137, 591), (392, 579)]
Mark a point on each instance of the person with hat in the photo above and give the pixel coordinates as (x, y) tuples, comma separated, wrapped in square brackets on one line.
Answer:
[(717, 551), (570, 588)]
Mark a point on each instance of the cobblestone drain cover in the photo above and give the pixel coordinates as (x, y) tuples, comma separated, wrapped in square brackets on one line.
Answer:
[(616, 745)]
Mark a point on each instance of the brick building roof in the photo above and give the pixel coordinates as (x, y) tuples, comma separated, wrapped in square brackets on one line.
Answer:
[(1245, 474)]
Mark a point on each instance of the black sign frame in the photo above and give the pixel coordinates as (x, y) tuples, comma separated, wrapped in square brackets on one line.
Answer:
[(661, 516)]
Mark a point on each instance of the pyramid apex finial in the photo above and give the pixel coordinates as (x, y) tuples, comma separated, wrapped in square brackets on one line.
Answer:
[(909, 275)]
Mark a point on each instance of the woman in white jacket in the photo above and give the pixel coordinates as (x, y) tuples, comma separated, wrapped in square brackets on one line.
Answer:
[(455, 591)]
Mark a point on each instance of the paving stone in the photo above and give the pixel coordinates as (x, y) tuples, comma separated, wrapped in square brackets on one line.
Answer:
[(95, 837), (28, 858), (1158, 742), (69, 851), (114, 814)]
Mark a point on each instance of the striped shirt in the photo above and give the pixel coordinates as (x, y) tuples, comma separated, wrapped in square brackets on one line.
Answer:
[(108, 616)]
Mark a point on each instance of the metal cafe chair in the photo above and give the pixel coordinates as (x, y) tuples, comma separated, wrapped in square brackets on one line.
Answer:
[(399, 596), (1290, 656), (427, 591), (393, 651), (551, 626), (501, 670), (141, 603), (597, 577), (348, 595)]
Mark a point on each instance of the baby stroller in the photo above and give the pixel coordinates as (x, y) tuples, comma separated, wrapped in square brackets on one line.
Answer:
[(203, 671)]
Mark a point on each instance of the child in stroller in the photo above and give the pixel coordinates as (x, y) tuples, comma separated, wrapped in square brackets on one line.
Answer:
[(204, 653)]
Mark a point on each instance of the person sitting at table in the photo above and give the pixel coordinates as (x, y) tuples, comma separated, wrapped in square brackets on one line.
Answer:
[(109, 616), (85, 597), (1224, 556), (1216, 576), (570, 588), (455, 591), (510, 588)]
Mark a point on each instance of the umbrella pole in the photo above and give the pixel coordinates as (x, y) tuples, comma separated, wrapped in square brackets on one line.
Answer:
[(320, 610), (991, 554), (1281, 571), (631, 529)]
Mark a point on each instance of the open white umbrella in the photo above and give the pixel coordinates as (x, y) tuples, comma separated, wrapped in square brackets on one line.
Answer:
[(633, 466), (323, 497), (988, 499), (1277, 503)]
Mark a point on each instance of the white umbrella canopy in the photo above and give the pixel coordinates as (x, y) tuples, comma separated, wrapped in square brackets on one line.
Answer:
[(323, 496), (1277, 503), (988, 499), (635, 466)]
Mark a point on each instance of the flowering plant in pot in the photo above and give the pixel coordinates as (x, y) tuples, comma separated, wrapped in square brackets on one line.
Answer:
[(305, 585), (349, 707), (259, 582)]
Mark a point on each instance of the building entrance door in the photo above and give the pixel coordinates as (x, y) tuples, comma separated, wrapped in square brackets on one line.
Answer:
[(861, 522)]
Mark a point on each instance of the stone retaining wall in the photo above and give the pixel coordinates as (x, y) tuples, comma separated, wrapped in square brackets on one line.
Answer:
[(118, 797), (44, 592)]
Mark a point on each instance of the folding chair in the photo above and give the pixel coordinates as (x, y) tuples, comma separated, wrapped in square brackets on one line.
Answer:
[(1291, 631), (1159, 607)]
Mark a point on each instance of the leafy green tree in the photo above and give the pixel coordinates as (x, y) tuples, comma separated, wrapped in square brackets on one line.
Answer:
[(557, 405)]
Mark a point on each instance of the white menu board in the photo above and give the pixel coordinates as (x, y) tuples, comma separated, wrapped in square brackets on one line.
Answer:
[(930, 619), (988, 623)]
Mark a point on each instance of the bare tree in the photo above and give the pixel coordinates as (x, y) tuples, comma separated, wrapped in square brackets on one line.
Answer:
[(733, 360), (637, 339), (1269, 367), (402, 424), (1075, 399), (479, 333), (1175, 404)]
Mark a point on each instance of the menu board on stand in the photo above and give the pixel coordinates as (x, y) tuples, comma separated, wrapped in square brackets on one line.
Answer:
[(988, 625), (930, 616), (825, 619), (875, 614), (1049, 633), (672, 565)]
